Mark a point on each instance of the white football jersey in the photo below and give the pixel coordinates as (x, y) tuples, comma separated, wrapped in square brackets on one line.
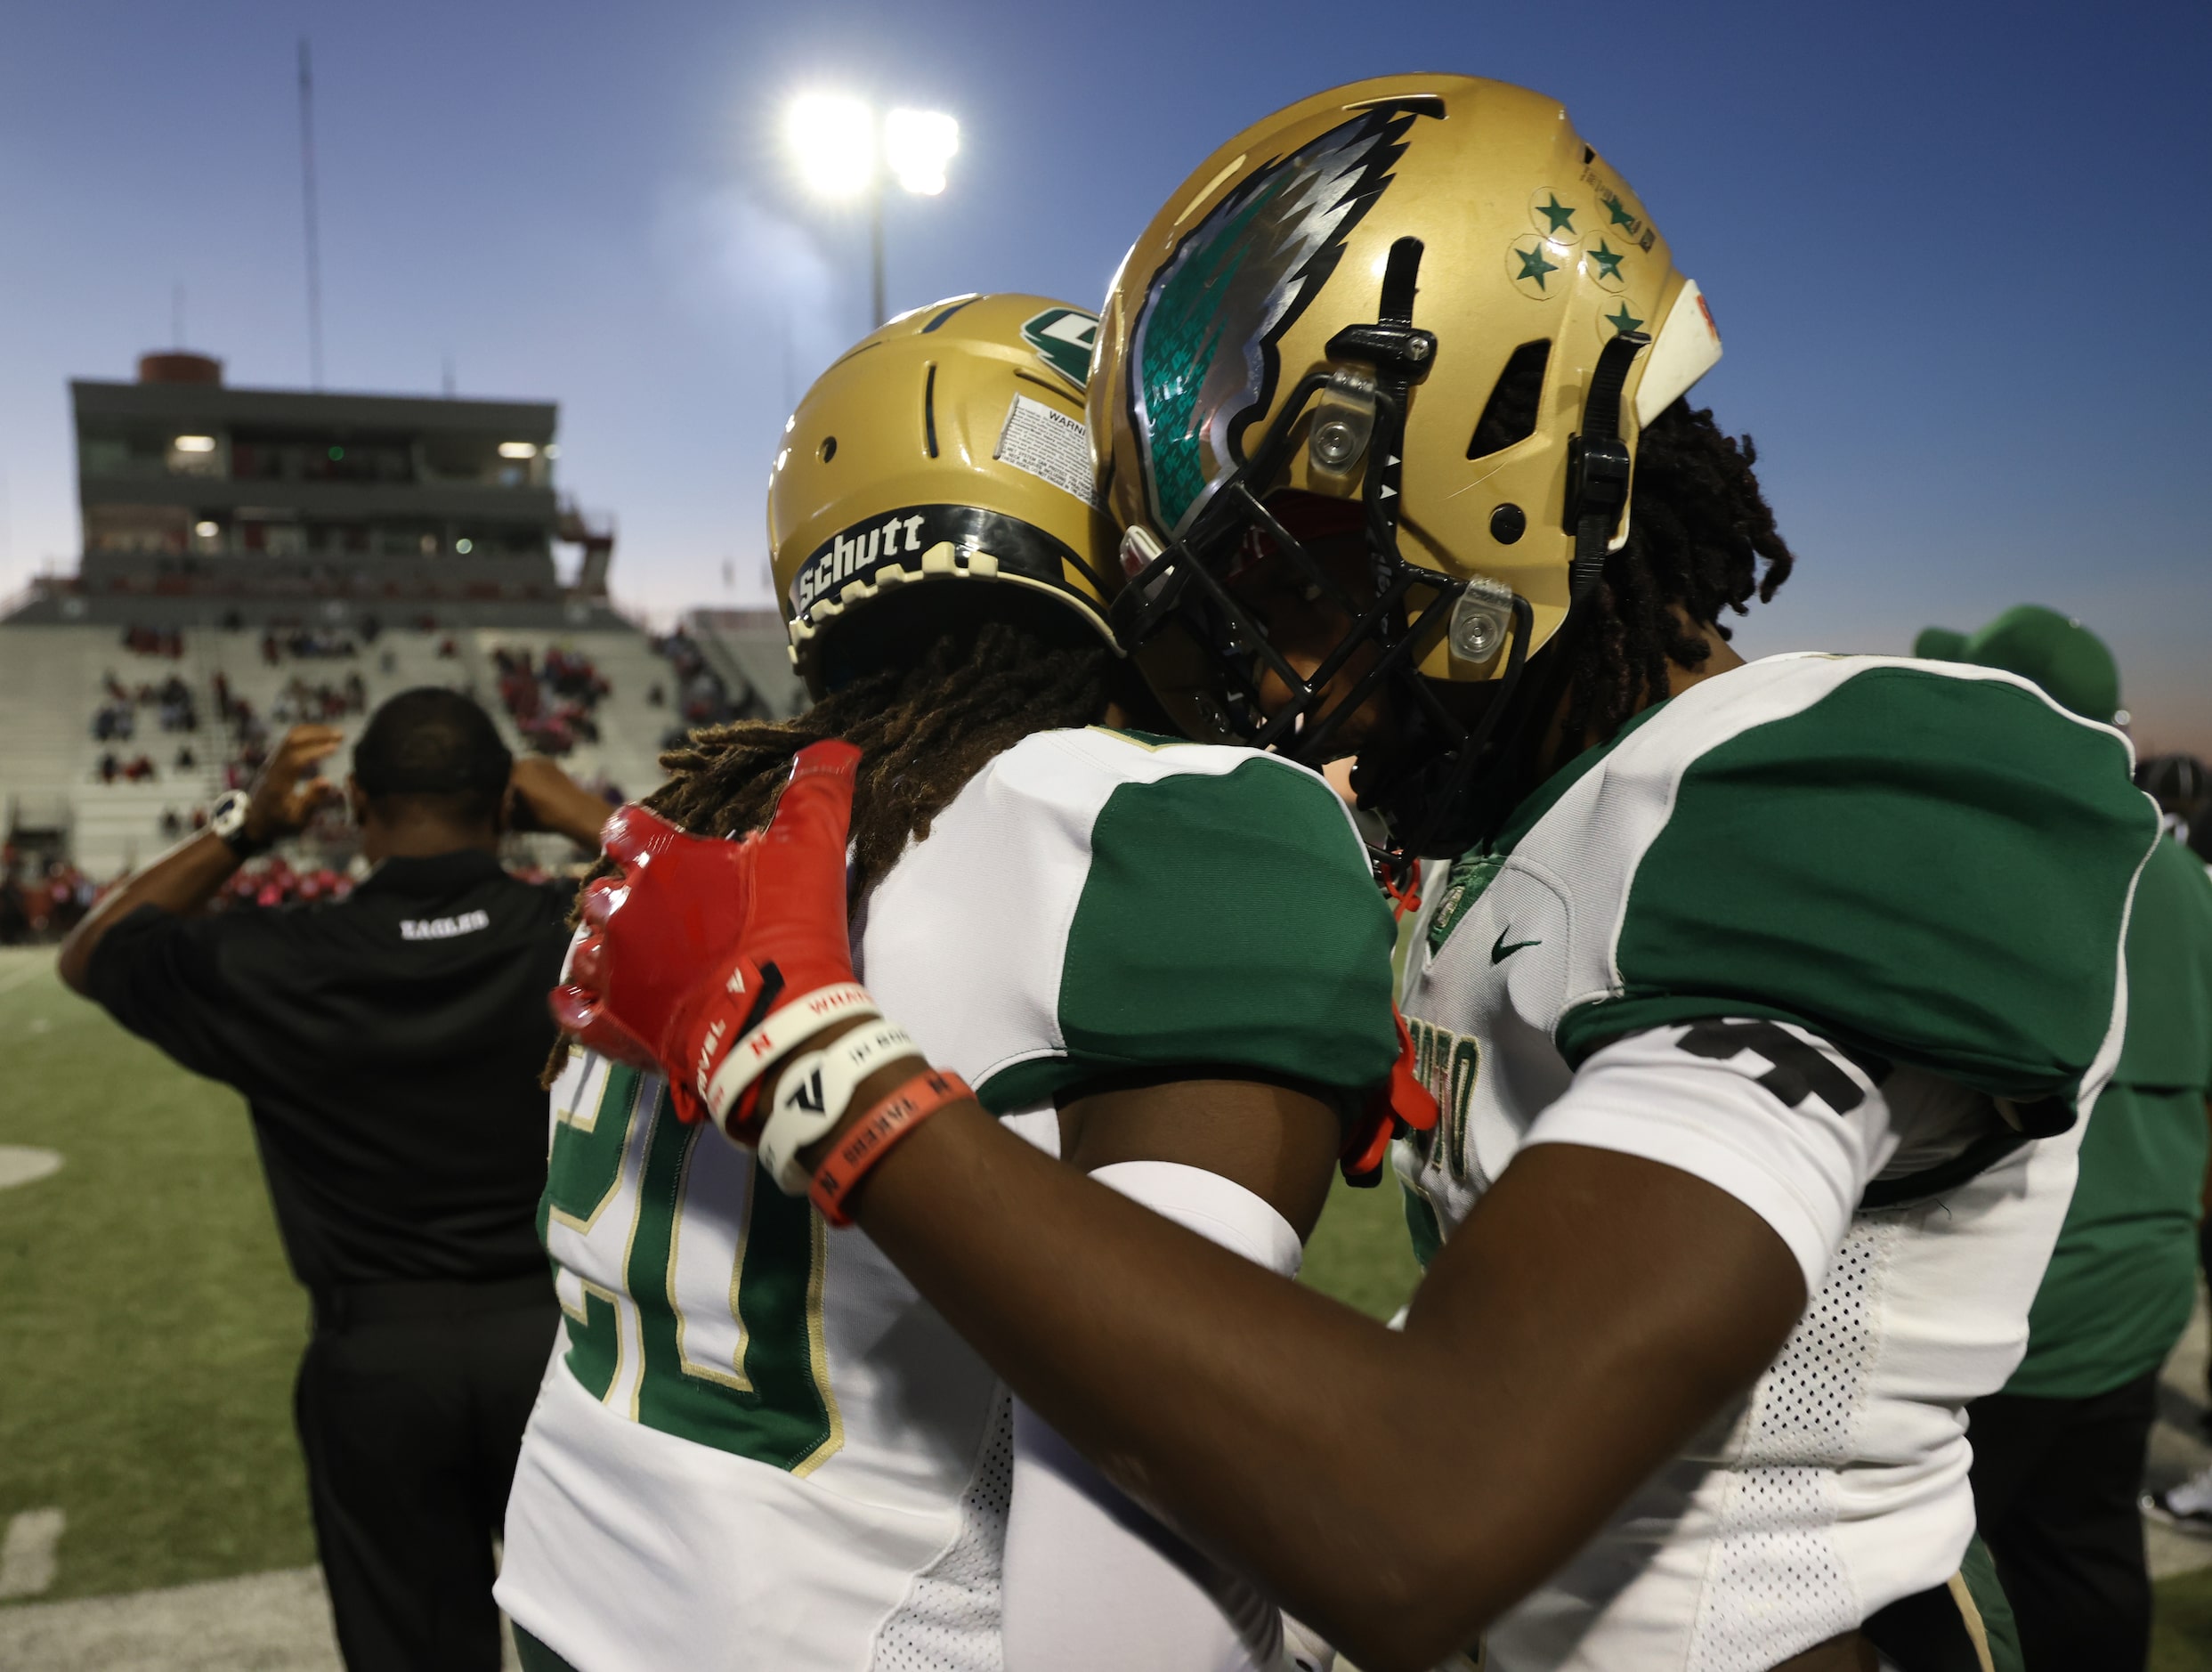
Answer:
[(1835, 934), (757, 1447)]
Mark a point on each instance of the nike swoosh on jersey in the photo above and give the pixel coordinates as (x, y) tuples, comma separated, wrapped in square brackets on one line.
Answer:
[(1500, 952)]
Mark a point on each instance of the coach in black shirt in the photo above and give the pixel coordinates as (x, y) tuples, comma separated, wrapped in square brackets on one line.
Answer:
[(388, 1046)]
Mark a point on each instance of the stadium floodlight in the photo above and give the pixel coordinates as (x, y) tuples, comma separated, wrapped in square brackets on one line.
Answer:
[(833, 140), (843, 151), (518, 450), (916, 144), (194, 443)]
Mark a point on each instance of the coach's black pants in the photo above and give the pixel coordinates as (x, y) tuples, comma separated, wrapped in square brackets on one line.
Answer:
[(2055, 1484), (410, 1405)]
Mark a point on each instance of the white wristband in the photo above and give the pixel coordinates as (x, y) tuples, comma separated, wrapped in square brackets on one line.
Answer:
[(814, 1093), (788, 1029)]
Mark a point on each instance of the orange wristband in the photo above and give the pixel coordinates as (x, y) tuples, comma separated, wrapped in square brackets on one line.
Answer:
[(870, 1138)]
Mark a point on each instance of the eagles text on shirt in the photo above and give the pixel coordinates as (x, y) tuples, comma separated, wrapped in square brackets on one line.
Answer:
[(443, 928)]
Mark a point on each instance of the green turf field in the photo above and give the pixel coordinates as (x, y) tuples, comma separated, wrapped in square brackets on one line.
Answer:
[(148, 1328)]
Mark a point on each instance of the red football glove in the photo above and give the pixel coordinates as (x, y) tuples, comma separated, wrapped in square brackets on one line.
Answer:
[(703, 940)]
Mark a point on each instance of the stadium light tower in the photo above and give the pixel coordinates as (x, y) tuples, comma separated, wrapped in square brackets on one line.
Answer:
[(844, 150)]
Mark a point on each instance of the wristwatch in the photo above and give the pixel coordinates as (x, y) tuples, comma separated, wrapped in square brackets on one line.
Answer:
[(228, 820)]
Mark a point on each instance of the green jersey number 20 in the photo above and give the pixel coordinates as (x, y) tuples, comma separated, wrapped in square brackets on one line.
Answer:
[(706, 1324)]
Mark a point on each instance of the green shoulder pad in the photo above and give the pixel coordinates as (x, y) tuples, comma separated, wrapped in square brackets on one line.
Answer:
[(1923, 866), (1227, 920)]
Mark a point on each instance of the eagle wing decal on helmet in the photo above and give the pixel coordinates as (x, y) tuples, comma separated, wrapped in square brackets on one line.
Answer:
[(1204, 362)]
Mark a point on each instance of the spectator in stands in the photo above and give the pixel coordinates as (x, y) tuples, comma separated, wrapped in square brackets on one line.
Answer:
[(388, 1045), (114, 721), (2058, 1453), (148, 641)]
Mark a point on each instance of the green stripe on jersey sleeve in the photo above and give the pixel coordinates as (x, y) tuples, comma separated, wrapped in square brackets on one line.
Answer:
[(1930, 868), (1227, 920)]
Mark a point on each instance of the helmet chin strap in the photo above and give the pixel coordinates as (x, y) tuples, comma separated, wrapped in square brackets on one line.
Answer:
[(1598, 472), (1463, 807)]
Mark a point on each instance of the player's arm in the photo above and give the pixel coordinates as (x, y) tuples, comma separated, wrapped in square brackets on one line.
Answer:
[(1396, 1490), (284, 797), (1091, 1580)]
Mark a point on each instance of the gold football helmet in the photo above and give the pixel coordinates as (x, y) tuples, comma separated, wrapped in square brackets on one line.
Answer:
[(947, 447), (1427, 299)]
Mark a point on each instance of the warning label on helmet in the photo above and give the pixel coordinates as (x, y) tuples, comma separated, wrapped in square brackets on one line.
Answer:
[(1050, 445)]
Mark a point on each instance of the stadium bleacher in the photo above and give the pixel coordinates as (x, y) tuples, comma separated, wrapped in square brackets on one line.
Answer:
[(55, 680)]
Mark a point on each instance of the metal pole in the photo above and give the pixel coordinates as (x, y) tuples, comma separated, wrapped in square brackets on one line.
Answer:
[(307, 187), (875, 248)]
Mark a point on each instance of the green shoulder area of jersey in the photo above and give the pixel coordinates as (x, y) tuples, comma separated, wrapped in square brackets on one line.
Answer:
[(1923, 866), (1227, 922)]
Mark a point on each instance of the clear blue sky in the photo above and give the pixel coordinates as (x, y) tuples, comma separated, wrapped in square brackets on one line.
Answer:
[(1959, 252)]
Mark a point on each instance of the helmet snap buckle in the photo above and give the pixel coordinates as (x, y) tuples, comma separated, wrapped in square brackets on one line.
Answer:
[(1480, 616), (1343, 423)]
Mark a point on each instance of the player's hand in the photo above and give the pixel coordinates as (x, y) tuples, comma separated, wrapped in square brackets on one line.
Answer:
[(287, 791), (700, 941)]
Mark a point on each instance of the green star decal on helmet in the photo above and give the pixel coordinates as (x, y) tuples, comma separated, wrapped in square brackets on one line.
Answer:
[(1559, 214), (1619, 211), (1622, 320), (1533, 265), (1609, 259)]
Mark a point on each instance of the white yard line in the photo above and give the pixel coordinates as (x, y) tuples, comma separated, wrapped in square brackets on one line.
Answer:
[(261, 1622), (26, 1554), (19, 1164)]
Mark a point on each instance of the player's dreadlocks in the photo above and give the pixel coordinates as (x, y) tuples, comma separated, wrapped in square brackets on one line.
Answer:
[(1700, 528), (923, 733), (924, 730)]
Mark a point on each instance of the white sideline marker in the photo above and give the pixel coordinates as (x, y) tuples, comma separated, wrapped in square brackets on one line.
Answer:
[(22, 1164), (27, 1555)]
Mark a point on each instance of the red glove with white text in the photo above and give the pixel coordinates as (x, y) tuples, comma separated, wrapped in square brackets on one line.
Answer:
[(709, 960)]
